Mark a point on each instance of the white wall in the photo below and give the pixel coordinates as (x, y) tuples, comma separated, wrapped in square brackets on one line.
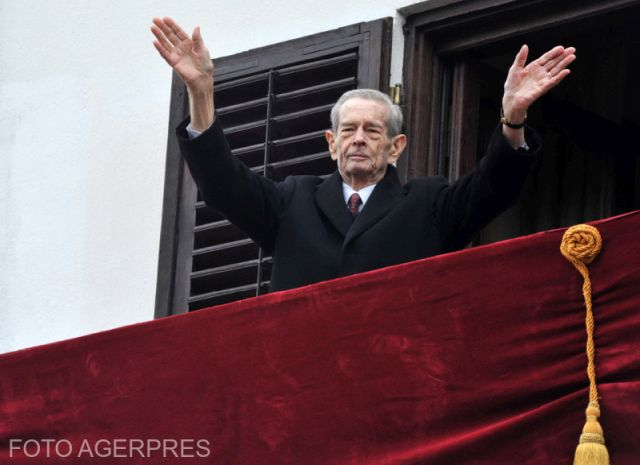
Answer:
[(84, 103)]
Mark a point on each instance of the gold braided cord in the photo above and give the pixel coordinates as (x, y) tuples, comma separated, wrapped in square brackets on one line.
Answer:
[(581, 244)]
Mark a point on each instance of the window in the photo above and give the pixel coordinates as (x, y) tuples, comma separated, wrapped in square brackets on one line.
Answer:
[(453, 82), (274, 105)]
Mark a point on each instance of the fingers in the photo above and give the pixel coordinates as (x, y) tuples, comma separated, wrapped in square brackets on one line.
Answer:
[(562, 63), (521, 57), (176, 29), (164, 53), (170, 30), (550, 55), (162, 40), (558, 74), (198, 43), (527, 84), (555, 61), (557, 79)]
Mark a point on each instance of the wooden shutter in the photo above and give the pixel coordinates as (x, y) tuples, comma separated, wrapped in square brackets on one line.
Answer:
[(274, 105)]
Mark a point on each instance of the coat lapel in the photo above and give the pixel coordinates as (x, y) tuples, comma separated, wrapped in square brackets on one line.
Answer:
[(387, 194), (330, 201)]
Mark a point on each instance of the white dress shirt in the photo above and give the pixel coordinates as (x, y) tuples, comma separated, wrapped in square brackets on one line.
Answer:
[(364, 194)]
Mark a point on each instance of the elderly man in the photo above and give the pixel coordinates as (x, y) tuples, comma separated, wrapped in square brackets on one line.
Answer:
[(361, 217)]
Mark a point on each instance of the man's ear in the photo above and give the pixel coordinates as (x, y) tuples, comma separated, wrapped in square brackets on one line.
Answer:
[(398, 143), (332, 144)]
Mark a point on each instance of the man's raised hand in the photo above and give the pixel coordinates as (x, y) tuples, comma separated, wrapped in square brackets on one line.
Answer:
[(526, 84), (187, 55), (190, 59)]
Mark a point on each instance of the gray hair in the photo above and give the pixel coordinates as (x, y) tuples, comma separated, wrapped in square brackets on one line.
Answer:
[(394, 115)]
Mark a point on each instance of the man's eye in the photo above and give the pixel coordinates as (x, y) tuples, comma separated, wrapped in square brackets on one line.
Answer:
[(347, 130)]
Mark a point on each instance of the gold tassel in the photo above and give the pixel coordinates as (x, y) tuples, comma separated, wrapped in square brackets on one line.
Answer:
[(591, 450), (581, 244)]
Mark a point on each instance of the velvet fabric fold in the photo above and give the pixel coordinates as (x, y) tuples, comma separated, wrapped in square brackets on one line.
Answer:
[(470, 358)]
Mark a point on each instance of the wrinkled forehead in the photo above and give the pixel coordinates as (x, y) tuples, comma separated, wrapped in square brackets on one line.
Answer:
[(358, 110)]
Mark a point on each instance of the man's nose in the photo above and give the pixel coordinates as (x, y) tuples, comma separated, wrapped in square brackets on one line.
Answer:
[(359, 136)]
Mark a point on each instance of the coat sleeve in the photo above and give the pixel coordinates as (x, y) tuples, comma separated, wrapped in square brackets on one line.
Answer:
[(464, 207), (250, 201)]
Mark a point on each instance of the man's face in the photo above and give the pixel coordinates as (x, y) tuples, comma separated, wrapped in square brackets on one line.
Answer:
[(361, 145)]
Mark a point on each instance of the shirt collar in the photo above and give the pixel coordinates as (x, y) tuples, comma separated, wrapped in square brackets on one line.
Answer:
[(364, 193)]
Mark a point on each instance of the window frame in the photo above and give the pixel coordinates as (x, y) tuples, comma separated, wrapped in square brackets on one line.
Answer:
[(438, 125)]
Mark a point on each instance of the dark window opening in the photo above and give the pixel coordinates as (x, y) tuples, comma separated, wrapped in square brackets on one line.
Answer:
[(590, 168)]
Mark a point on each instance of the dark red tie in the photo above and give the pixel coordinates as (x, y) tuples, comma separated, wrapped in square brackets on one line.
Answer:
[(354, 203)]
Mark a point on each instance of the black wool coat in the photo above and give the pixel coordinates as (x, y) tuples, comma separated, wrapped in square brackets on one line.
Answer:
[(304, 222)]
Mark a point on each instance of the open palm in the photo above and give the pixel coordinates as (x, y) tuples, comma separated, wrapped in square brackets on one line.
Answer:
[(526, 84), (186, 55)]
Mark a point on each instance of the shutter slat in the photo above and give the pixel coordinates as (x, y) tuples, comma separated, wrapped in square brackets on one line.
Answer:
[(223, 85), (221, 111), (212, 225), (322, 94), (219, 247), (298, 146), (224, 254), (301, 160), (319, 110), (304, 92), (224, 269), (239, 152), (300, 137), (243, 113), (214, 294), (223, 277), (292, 124), (316, 72), (322, 63), (241, 90), (250, 155), (246, 134), (219, 232), (221, 297), (206, 215)]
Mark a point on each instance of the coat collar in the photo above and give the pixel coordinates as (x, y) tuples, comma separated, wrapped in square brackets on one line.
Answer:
[(385, 196), (330, 201)]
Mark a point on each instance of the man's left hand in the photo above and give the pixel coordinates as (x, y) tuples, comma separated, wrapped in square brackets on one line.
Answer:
[(526, 84)]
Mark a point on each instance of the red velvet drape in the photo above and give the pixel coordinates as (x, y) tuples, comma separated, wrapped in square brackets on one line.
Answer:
[(475, 357)]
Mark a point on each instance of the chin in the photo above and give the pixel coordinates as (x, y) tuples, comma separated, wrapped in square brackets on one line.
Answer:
[(359, 173)]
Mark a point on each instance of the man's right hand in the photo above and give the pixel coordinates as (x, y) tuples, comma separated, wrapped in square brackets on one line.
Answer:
[(190, 59)]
